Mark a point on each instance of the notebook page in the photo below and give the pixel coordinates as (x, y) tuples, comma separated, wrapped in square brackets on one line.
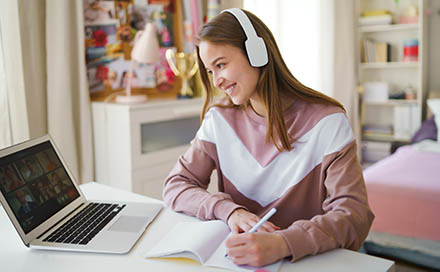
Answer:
[(198, 238)]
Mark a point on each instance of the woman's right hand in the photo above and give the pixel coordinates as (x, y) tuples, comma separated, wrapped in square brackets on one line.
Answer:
[(242, 221)]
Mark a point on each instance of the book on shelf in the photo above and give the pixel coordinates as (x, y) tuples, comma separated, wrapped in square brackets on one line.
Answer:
[(383, 52), (377, 129), (203, 242), (363, 51), (189, 34), (213, 8), (372, 51), (192, 21)]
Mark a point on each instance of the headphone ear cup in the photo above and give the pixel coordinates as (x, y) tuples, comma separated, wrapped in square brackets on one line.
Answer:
[(255, 46), (256, 51)]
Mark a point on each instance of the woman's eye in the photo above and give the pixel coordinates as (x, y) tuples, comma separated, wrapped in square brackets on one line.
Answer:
[(220, 65)]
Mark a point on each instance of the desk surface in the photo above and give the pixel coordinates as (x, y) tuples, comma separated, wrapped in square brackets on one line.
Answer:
[(15, 256)]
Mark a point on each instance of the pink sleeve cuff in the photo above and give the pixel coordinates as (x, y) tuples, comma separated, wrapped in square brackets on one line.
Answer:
[(297, 240), (223, 209)]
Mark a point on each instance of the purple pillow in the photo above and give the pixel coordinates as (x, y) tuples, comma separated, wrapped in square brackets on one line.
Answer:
[(428, 130)]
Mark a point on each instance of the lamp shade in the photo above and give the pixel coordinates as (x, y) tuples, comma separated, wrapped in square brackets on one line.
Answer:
[(146, 46)]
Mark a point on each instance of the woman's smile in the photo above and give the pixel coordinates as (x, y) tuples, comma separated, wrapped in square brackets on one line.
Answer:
[(229, 89)]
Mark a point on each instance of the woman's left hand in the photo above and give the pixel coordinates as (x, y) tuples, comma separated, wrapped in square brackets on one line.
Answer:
[(256, 249)]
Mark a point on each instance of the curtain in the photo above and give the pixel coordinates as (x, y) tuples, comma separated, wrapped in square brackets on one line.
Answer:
[(69, 110), (46, 88), (5, 133), (338, 55), (14, 116)]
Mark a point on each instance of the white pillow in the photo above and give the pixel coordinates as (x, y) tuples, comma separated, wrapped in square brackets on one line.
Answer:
[(434, 106), (427, 146)]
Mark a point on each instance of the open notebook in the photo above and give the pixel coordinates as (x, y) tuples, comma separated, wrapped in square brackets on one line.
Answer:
[(203, 242)]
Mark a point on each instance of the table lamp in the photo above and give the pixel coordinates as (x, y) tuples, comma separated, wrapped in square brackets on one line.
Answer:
[(145, 50)]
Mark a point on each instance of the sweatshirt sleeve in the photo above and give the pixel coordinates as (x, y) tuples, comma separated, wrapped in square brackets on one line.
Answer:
[(185, 188), (346, 217)]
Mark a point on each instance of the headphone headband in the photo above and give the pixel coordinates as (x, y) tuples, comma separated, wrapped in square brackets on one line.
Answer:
[(255, 46)]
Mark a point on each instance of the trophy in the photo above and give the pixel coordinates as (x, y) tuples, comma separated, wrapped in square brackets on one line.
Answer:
[(185, 66)]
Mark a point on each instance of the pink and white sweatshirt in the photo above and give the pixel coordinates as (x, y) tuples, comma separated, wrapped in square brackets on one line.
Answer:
[(318, 187)]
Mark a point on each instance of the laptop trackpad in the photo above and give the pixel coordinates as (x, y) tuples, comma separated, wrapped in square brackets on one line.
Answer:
[(127, 223)]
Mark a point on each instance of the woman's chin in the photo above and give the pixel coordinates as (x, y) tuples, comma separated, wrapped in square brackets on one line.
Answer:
[(237, 101)]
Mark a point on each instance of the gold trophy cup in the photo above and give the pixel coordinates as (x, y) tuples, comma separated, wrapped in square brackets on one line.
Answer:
[(185, 66)]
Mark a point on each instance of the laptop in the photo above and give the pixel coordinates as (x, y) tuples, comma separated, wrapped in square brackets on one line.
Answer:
[(49, 211)]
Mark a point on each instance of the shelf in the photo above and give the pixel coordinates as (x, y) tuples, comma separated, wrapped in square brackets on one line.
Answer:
[(385, 138), (389, 65), (392, 27), (392, 103), (391, 121)]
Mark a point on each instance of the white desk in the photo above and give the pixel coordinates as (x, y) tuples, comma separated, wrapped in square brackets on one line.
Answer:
[(15, 256)]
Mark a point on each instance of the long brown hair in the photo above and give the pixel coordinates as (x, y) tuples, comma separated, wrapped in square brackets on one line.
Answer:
[(275, 81)]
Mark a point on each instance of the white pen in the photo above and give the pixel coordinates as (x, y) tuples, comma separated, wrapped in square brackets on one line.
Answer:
[(261, 222)]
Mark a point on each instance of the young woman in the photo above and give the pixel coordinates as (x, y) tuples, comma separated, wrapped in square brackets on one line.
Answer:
[(274, 143)]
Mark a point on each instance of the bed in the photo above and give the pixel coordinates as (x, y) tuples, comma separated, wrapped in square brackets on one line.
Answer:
[(404, 194)]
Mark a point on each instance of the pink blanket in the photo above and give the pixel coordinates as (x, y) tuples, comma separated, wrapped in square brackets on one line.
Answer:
[(404, 193)]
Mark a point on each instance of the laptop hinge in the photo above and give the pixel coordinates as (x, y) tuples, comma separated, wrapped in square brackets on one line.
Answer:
[(49, 229)]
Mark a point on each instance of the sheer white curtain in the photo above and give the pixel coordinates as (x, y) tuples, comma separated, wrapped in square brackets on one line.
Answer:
[(338, 55), (317, 41), (69, 110), (5, 132), (14, 118), (44, 88)]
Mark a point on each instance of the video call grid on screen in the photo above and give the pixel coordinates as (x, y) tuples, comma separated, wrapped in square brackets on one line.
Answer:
[(35, 184)]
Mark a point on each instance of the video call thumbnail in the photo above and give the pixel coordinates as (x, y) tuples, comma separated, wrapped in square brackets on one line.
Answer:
[(36, 186)]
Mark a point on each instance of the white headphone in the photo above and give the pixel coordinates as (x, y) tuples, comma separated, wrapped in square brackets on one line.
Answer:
[(255, 46)]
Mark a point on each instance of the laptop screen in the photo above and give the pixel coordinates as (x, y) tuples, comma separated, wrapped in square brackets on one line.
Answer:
[(35, 184)]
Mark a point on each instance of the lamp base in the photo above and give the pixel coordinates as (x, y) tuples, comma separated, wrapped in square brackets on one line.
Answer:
[(131, 99)]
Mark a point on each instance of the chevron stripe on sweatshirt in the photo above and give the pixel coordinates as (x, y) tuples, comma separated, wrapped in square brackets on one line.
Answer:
[(264, 179)]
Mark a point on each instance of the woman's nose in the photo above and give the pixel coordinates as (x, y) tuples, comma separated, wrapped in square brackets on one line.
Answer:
[(218, 80)]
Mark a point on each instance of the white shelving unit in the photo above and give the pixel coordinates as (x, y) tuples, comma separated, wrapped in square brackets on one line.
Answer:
[(397, 73), (137, 145)]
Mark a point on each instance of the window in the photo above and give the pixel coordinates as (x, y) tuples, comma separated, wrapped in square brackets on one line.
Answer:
[(295, 25)]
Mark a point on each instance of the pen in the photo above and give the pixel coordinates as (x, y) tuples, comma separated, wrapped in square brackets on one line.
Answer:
[(261, 222)]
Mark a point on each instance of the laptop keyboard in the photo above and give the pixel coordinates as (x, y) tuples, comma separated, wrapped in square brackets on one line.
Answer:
[(85, 225)]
